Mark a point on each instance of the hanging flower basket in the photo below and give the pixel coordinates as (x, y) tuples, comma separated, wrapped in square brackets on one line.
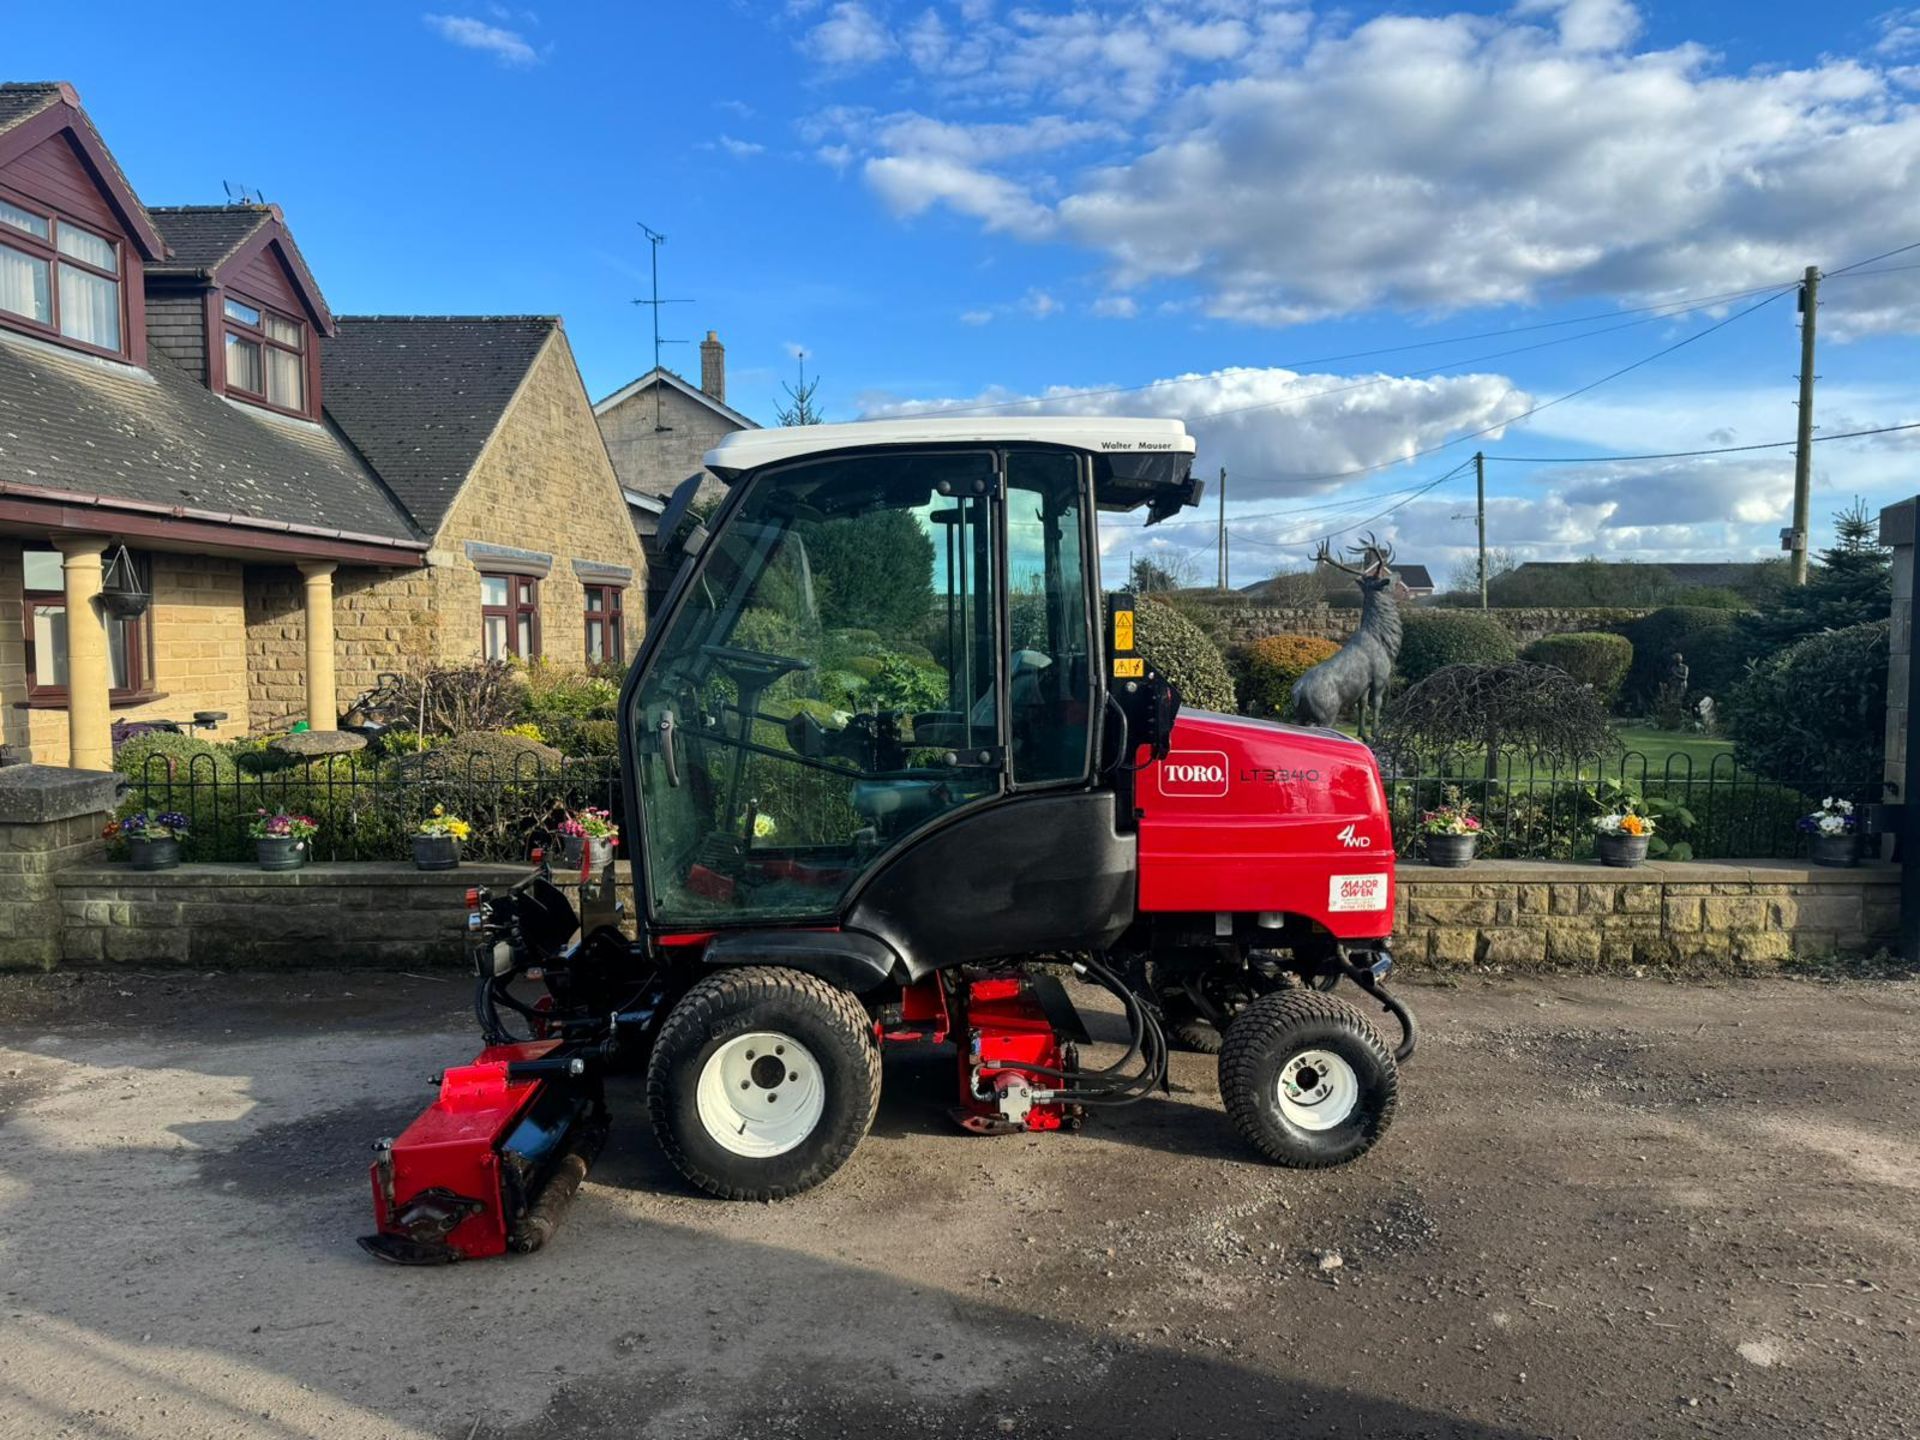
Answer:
[(121, 594)]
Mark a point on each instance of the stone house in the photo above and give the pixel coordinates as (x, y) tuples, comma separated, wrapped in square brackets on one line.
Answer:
[(657, 429), (307, 499)]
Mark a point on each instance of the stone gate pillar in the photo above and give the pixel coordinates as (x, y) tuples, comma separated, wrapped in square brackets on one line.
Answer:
[(1898, 531), (50, 818)]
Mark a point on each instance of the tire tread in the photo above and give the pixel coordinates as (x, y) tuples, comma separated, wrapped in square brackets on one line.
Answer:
[(1249, 1037)]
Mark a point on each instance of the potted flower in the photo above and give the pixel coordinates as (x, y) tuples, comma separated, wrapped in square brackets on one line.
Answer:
[(1621, 836), (436, 844), (153, 841), (588, 835), (1450, 832), (1835, 832), (280, 839)]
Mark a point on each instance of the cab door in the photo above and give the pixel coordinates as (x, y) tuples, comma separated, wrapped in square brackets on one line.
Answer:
[(827, 685)]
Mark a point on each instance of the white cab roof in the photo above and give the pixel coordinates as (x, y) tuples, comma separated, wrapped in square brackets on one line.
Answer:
[(750, 449)]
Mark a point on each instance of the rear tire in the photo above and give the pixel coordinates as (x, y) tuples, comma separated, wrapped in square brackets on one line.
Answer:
[(758, 1036), (1307, 1079)]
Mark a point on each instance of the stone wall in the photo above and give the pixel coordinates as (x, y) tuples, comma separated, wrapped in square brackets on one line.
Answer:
[(197, 660), (380, 915), (1527, 914), (50, 822), (383, 620), (1232, 622)]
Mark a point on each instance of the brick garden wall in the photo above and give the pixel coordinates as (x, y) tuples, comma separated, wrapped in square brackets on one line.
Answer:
[(1528, 914)]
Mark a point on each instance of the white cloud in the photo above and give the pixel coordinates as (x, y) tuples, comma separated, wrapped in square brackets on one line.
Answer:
[(1284, 169), (510, 47), (1283, 433), (976, 316), (911, 185), (849, 38), (1039, 304), (740, 149), (1116, 307)]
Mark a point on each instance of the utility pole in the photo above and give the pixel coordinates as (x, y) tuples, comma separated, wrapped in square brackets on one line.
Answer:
[(1480, 510), (1223, 529), (1803, 452)]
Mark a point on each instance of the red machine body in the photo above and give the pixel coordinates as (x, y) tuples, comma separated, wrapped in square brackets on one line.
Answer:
[(1011, 1038), (1246, 816), (440, 1182)]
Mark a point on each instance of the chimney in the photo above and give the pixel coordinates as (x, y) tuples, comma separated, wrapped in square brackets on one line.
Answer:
[(713, 367)]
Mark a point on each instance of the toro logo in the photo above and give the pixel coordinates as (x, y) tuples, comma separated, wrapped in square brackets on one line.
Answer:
[(1194, 772)]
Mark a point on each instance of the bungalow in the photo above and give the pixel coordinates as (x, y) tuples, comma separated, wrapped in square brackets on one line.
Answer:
[(303, 499)]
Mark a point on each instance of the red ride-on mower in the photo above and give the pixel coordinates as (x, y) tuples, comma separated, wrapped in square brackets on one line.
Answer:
[(891, 765)]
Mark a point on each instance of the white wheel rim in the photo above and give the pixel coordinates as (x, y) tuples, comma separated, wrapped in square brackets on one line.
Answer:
[(760, 1094), (1317, 1090)]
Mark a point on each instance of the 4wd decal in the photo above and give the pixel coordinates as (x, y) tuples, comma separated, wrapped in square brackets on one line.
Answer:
[(1357, 892), (1352, 839), (1194, 772)]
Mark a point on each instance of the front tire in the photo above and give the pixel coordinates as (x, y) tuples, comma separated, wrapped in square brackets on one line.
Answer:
[(762, 1082), (1307, 1079)]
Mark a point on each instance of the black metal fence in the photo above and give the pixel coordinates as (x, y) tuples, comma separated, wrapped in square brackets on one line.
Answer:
[(368, 808), (1546, 811)]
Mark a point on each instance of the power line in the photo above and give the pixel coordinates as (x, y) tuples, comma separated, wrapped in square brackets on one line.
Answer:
[(1693, 454), (1884, 255), (1548, 404)]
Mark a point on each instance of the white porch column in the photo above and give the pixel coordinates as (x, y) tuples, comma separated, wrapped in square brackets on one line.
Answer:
[(323, 709), (89, 684)]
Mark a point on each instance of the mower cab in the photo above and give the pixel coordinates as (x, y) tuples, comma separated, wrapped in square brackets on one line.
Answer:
[(891, 756)]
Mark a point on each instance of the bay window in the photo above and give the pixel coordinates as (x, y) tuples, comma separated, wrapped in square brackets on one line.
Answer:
[(266, 355), (60, 277)]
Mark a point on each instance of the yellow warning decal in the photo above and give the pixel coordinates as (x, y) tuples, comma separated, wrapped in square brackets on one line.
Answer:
[(1123, 634), (1129, 669)]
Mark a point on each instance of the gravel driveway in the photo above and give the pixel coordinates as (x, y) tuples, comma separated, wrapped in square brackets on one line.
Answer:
[(1607, 1208)]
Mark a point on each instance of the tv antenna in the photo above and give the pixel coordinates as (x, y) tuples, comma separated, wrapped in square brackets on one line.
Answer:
[(242, 194), (654, 241)]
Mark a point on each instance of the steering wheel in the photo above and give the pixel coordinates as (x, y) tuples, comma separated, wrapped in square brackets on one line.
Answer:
[(755, 662)]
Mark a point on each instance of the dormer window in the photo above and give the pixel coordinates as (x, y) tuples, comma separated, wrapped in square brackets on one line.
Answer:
[(60, 277), (266, 356)]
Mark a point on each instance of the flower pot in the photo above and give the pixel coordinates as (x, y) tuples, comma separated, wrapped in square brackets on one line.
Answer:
[(573, 849), (1839, 851), (280, 853), (1450, 852), (154, 854), (1623, 851), (436, 852)]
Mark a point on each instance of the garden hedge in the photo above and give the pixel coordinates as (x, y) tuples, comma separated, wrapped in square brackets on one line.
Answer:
[(1181, 651), (1434, 639), (1265, 670), (1815, 715), (1709, 639), (1592, 658)]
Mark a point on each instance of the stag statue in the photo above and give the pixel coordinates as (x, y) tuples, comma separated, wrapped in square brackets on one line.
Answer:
[(1360, 669)]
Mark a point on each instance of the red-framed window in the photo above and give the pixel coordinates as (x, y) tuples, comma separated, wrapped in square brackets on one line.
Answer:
[(509, 617), (606, 624), (61, 278), (129, 642), (266, 355)]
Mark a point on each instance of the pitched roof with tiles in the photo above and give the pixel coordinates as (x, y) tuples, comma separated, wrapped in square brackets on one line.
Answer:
[(23, 99), (199, 237), (420, 395), (75, 425)]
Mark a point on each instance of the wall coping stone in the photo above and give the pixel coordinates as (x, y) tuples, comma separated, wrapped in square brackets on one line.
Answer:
[(1679, 872), (321, 874), (37, 794)]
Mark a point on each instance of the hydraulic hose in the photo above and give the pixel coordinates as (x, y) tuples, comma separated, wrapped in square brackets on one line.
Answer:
[(1111, 1084)]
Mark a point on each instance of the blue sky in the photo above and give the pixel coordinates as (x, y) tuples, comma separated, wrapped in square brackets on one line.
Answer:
[(953, 201)]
